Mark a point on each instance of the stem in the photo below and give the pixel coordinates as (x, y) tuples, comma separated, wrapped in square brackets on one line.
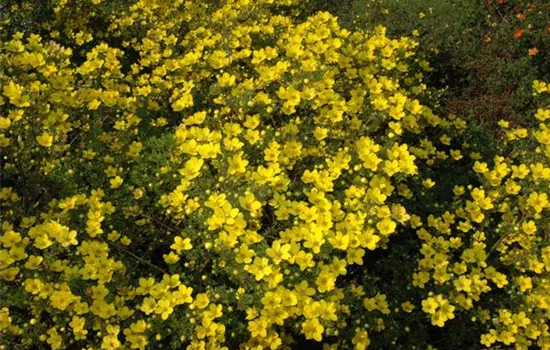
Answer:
[(137, 257), (503, 237), (161, 223)]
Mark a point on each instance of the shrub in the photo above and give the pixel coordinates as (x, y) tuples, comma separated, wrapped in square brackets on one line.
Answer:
[(239, 174)]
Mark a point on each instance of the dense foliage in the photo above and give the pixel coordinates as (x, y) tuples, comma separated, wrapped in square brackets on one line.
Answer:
[(246, 174)]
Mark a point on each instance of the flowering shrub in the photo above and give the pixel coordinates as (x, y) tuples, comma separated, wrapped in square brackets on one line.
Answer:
[(225, 174)]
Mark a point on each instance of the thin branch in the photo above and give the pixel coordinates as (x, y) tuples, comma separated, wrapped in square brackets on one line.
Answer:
[(137, 257), (504, 236), (161, 223)]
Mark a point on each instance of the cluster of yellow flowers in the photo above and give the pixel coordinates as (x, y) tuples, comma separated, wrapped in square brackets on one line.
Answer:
[(214, 174), (460, 255)]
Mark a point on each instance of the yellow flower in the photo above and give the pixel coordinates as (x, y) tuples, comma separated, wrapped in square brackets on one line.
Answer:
[(54, 339), (181, 244), (250, 203), (94, 104), (185, 101), (237, 165), (33, 262), (538, 201), (148, 306), (125, 241), (258, 328), (480, 167), (164, 308), (386, 226), (542, 114), (325, 281), (10, 238), (278, 252), (33, 286), (361, 339), (226, 80), (355, 256), (116, 182), (304, 260), (4, 123), (184, 294), (195, 119), (110, 342), (45, 139), (171, 258), (192, 168), (429, 305), (201, 300), (529, 227), (524, 283), (218, 59), (14, 92), (407, 306), (428, 183), (77, 324), (320, 133), (539, 86), (61, 299), (312, 329)]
